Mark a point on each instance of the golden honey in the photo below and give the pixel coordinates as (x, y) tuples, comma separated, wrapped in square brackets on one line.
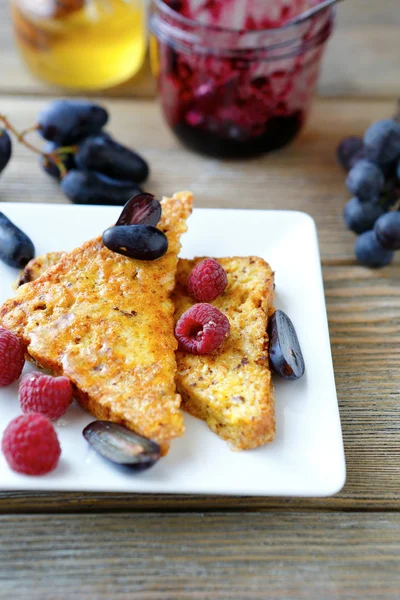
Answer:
[(85, 44)]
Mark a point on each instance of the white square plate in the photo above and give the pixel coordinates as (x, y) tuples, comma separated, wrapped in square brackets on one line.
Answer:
[(306, 458)]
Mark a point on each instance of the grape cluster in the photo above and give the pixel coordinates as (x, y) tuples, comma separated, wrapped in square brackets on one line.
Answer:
[(373, 178), (90, 165)]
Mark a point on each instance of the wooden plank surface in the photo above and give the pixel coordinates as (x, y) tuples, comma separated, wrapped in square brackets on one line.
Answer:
[(366, 31), (293, 556)]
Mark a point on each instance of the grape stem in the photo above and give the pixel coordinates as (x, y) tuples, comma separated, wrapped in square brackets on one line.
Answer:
[(53, 157)]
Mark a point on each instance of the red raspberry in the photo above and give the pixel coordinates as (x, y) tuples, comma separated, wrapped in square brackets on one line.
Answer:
[(207, 280), (40, 393), (30, 445), (201, 329), (12, 357)]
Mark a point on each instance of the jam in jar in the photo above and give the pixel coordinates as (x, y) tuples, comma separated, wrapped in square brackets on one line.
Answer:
[(233, 79)]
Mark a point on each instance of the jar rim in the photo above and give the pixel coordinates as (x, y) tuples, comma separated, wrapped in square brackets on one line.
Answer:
[(187, 35), (173, 14)]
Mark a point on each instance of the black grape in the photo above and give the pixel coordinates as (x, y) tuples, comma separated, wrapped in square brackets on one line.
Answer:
[(285, 353), (142, 209), (68, 121), (361, 216), (16, 248), (387, 230), (103, 154), (370, 253), (143, 242), (85, 187), (382, 142), (123, 183), (366, 181), (50, 167), (5, 148), (390, 193), (349, 151)]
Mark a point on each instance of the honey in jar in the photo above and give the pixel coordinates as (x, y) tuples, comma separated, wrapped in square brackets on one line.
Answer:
[(85, 44)]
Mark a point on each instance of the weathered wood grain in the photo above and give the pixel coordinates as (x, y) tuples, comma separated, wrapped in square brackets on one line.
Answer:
[(364, 321), (303, 177), (234, 556), (365, 38)]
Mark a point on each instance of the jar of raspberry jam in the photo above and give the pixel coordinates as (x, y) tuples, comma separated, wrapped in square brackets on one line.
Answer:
[(233, 80)]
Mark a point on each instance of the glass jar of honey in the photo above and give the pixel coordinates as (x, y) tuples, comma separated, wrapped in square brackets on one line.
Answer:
[(84, 44)]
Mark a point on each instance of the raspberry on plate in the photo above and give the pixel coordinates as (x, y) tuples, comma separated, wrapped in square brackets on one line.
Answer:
[(202, 329), (207, 280), (12, 357), (30, 445), (40, 393)]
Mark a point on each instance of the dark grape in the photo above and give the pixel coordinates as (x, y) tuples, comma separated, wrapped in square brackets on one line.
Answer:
[(391, 192), (85, 187), (382, 142), (387, 230), (122, 446), (361, 216), (50, 167), (365, 180), (5, 148), (142, 209), (68, 121), (370, 253), (349, 151), (143, 242), (122, 183), (285, 352), (103, 154), (16, 248)]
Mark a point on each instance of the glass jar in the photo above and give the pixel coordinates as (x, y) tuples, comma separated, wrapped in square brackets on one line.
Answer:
[(86, 44), (227, 88)]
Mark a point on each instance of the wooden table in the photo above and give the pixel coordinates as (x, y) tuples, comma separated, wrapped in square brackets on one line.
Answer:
[(149, 547)]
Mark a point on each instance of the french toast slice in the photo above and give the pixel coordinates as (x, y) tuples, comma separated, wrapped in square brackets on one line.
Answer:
[(231, 389), (106, 321), (37, 266)]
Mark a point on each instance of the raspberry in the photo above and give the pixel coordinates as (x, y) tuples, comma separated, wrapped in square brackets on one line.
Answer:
[(12, 357), (201, 329), (207, 280), (40, 393), (30, 445)]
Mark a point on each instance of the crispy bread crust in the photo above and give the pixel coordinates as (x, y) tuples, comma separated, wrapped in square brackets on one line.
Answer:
[(241, 431), (232, 389), (37, 266), (106, 321)]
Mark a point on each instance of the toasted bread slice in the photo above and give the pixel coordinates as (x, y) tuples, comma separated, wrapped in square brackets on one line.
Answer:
[(37, 266), (231, 389), (106, 322)]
